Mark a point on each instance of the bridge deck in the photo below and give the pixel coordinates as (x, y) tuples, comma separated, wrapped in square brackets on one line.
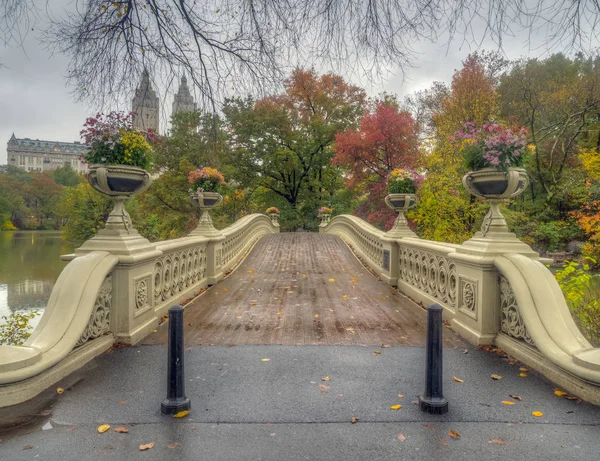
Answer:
[(303, 288)]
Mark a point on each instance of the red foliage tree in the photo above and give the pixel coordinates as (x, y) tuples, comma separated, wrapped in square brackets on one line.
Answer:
[(387, 139)]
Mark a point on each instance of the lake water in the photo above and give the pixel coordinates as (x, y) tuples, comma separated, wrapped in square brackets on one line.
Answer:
[(29, 266)]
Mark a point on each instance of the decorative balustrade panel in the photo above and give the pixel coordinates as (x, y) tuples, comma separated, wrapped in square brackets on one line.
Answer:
[(365, 237), (240, 237), (429, 271), (174, 272)]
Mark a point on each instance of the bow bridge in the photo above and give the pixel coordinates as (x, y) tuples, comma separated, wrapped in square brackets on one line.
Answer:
[(350, 284)]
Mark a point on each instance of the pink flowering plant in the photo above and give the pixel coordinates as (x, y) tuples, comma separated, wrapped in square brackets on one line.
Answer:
[(325, 210), (494, 146), (206, 179), (113, 141), (273, 210)]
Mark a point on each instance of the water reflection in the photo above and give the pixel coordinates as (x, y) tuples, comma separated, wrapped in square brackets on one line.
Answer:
[(29, 266)]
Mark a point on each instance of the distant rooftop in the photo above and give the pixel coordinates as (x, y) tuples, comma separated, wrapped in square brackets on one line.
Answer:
[(75, 147)]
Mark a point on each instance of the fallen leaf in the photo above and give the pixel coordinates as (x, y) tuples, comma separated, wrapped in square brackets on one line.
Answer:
[(147, 446), (559, 393), (344, 297), (316, 316), (508, 402), (323, 386), (429, 426), (401, 396), (570, 397), (27, 447), (516, 397), (377, 352), (174, 445), (498, 442), (354, 420), (123, 402), (496, 377), (458, 380), (350, 329), (354, 279), (121, 430), (194, 428), (326, 378), (265, 360), (332, 280), (251, 271), (523, 375), (59, 390), (537, 414), (382, 299), (103, 428), (395, 407), (523, 369), (454, 434), (401, 438), (444, 442), (181, 414), (385, 346)]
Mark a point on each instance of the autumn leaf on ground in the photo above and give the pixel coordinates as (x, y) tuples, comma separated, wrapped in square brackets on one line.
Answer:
[(251, 271), (508, 402), (123, 402), (537, 414), (265, 360), (103, 428), (498, 441), (350, 329), (147, 446), (523, 369), (570, 397), (59, 390), (395, 407), (181, 414), (332, 280), (516, 397), (401, 396), (27, 447), (377, 352), (316, 316), (344, 297), (355, 420), (559, 393), (326, 378), (429, 426), (174, 445), (495, 377), (523, 375), (444, 442), (323, 386), (458, 380), (401, 438), (382, 299), (454, 434)]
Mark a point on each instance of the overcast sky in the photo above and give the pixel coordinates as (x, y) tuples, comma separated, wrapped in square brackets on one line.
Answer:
[(35, 102)]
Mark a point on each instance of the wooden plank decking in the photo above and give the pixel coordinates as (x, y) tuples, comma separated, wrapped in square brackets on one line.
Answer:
[(303, 288)]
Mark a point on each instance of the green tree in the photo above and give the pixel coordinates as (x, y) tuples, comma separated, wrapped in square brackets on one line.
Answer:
[(66, 176)]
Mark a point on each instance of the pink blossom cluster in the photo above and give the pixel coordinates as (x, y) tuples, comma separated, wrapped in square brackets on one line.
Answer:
[(105, 129), (499, 145)]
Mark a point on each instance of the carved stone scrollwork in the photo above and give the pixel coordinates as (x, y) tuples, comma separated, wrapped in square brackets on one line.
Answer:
[(429, 272), (141, 294), (512, 322), (468, 297), (218, 258), (99, 323)]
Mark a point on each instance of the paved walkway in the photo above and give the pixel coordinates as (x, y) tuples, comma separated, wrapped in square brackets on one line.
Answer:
[(303, 288), (245, 407)]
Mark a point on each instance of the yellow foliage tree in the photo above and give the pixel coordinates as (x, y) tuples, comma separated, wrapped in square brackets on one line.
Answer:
[(446, 211)]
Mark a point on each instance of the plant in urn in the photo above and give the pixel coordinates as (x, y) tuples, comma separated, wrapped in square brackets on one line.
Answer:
[(495, 155), (119, 158), (273, 213), (324, 213), (402, 185), (206, 184)]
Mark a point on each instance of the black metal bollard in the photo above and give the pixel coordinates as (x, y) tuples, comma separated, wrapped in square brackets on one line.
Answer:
[(176, 400), (433, 401)]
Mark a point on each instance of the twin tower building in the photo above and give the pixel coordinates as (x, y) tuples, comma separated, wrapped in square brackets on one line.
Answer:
[(145, 104)]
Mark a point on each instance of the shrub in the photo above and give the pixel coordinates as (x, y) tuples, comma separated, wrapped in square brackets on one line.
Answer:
[(15, 328)]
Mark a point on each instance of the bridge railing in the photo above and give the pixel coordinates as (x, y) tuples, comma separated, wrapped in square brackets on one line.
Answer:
[(508, 298), (103, 297)]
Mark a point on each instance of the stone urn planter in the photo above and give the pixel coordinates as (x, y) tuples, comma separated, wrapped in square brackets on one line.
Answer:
[(205, 201), (495, 186), (119, 182), (401, 203), (324, 218), (274, 218)]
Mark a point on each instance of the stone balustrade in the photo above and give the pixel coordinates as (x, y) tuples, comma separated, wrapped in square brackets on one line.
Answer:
[(119, 294), (507, 298)]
